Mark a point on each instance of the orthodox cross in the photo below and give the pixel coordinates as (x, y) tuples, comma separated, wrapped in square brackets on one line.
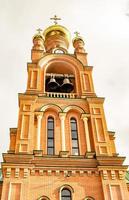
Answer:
[(55, 18), (39, 30), (76, 34)]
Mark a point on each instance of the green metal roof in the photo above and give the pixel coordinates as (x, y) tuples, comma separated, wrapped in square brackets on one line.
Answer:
[(0, 175), (127, 176)]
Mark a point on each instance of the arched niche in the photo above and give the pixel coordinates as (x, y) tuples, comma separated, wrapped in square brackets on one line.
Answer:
[(60, 71), (51, 106), (60, 67), (73, 107)]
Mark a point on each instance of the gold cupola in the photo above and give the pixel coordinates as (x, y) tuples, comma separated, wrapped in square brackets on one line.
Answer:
[(57, 37), (78, 43), (38, 41)]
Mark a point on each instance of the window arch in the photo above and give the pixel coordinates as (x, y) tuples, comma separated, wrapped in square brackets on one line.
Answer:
[(66, 194), (74, 136), (89, 198), (50, 136), (43, 198)]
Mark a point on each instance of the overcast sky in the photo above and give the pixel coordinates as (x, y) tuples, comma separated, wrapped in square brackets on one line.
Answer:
[(104, 25)]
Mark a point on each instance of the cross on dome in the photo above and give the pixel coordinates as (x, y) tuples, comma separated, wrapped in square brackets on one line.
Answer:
[(55, 18), (77, 34), (39, 30)]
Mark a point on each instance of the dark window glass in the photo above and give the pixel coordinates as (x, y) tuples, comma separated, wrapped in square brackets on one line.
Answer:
[(50, 125), (66, 198), (50, 151), (75, 151), (50, 136), (74, 143), (50, 133), (65, 194), (73, 126), (50, 142), (50, 119), (74, 135)]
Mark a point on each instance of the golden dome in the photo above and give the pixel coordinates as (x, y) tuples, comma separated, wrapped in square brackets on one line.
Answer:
[(78, 38), (57, 30), (37, 35)]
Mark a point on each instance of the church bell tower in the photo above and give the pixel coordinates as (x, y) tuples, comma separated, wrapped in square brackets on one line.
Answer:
[(61, 148)]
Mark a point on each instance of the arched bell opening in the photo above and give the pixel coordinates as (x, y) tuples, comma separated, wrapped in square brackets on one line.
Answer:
[(60, 78)]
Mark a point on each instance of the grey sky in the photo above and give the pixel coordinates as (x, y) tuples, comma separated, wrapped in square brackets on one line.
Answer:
[(104, 25)]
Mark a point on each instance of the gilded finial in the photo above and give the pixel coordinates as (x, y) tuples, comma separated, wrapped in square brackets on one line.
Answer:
[(77, 34), (55, 18), (77, 37), (39, 30), (38, 34)]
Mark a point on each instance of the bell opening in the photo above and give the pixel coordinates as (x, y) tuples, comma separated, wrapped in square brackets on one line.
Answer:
[(60, 78), (59, 84)]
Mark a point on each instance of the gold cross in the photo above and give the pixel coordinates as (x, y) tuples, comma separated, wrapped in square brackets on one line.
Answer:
[(76, 34), (39, 30), (55, 18)]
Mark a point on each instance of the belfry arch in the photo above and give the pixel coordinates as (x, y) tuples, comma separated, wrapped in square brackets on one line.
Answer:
[(59, 67)]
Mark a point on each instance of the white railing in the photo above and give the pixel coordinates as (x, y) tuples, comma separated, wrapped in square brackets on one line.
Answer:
[(61, 95)]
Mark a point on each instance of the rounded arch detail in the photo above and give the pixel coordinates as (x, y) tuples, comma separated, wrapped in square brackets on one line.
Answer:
[(53, 106), (64, 65), (46, 60), (73, 107), (89, 198), (43, 198), (67, 187)]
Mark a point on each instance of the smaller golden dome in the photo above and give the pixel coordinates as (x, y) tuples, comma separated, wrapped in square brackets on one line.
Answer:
[(38, 35), (77, 39)]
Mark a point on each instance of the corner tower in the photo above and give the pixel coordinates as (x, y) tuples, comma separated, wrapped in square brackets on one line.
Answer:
[(61, 148)]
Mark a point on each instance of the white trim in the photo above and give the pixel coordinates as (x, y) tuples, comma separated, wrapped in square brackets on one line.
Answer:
[(87, 135), (39, 119), (62, 118)]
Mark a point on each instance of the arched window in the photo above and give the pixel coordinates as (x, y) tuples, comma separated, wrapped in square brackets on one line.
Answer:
[(89, 198), (74, 136), (50, 136), (65, 194), (43, 198)]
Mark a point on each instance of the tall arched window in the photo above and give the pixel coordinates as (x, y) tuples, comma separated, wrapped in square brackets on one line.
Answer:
[(74, 136), (66, 194), (43, 198), (50, 136), (89, 198)]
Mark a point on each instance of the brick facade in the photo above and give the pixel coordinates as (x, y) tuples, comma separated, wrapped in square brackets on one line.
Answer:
[(86, 165)]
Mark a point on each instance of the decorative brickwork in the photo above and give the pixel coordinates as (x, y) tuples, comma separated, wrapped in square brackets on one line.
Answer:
[(61, 148)]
